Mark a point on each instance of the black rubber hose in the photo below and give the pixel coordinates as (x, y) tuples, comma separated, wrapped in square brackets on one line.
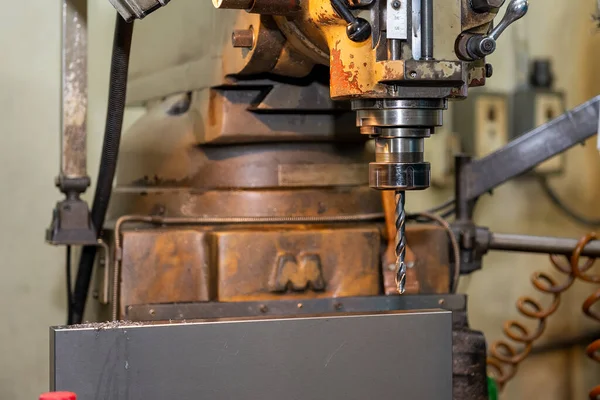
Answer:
[(570, 212), (108, 161)]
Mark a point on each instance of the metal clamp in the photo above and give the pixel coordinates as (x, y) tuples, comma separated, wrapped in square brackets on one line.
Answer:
[(102, 292), (131, 9)]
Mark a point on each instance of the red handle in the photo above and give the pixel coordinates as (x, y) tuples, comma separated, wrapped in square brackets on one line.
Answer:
[(58, 396)]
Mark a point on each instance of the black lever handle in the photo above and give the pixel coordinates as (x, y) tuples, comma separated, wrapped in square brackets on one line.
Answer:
[(358, 29)]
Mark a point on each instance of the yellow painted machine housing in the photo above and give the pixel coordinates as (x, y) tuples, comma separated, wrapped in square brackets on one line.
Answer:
[(195, 41)]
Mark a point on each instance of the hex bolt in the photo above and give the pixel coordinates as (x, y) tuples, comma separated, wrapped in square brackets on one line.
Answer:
[(243, 38), (484, 6)]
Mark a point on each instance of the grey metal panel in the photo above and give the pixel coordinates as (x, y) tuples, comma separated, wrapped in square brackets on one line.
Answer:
[(387, 355)]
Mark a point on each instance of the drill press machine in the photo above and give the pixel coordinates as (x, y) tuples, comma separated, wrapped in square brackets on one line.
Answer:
[(242, 194), (398, 63)]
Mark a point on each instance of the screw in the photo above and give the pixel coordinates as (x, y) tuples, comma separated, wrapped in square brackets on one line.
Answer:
[(152, 312), (441, 302), (300, 305), (489, 70), (263, 308), (95, 295), (243, 38), (396, 5), (337, 306), (488, 46)]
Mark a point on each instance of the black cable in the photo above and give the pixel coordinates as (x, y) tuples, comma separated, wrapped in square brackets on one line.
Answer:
[(447, 203), (108, 161), (446, 214), (553, 196), (69, 289)]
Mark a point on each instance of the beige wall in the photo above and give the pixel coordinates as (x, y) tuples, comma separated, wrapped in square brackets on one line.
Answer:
[(32, 281), (32, 285)]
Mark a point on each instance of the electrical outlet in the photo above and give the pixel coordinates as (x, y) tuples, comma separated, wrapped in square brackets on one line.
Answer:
[(440, 149), (491, 124), (547, 107)]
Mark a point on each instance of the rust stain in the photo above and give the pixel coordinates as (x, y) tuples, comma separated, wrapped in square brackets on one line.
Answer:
[(351, 66), (342, 80), (477, 82)]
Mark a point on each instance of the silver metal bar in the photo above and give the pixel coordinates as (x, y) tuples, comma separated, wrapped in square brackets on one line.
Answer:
[(427, 29), (541, 244), (74, 89), (524, 153), (341, 357), (394, 49)]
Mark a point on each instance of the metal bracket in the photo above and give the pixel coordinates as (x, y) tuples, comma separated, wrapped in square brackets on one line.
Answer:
[(102, 292), (131, 9), (476, 178)]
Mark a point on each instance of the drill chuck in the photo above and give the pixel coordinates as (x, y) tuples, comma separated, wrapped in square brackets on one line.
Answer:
[(400, 128)]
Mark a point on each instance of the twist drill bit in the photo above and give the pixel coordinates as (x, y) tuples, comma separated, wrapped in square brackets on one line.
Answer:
[(400, 242)]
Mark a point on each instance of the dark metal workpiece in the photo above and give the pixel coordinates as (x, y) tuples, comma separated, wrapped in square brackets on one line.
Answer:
[(524, 153), (358, 29), (370, 304), (336, 357)]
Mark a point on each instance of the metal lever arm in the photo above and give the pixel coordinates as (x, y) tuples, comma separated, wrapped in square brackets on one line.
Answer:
[(481, 46), (524, 153)]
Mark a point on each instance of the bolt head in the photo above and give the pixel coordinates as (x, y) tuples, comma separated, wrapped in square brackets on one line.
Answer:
[(243, 38), (396, 5), (484, 6), (489, 70)]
